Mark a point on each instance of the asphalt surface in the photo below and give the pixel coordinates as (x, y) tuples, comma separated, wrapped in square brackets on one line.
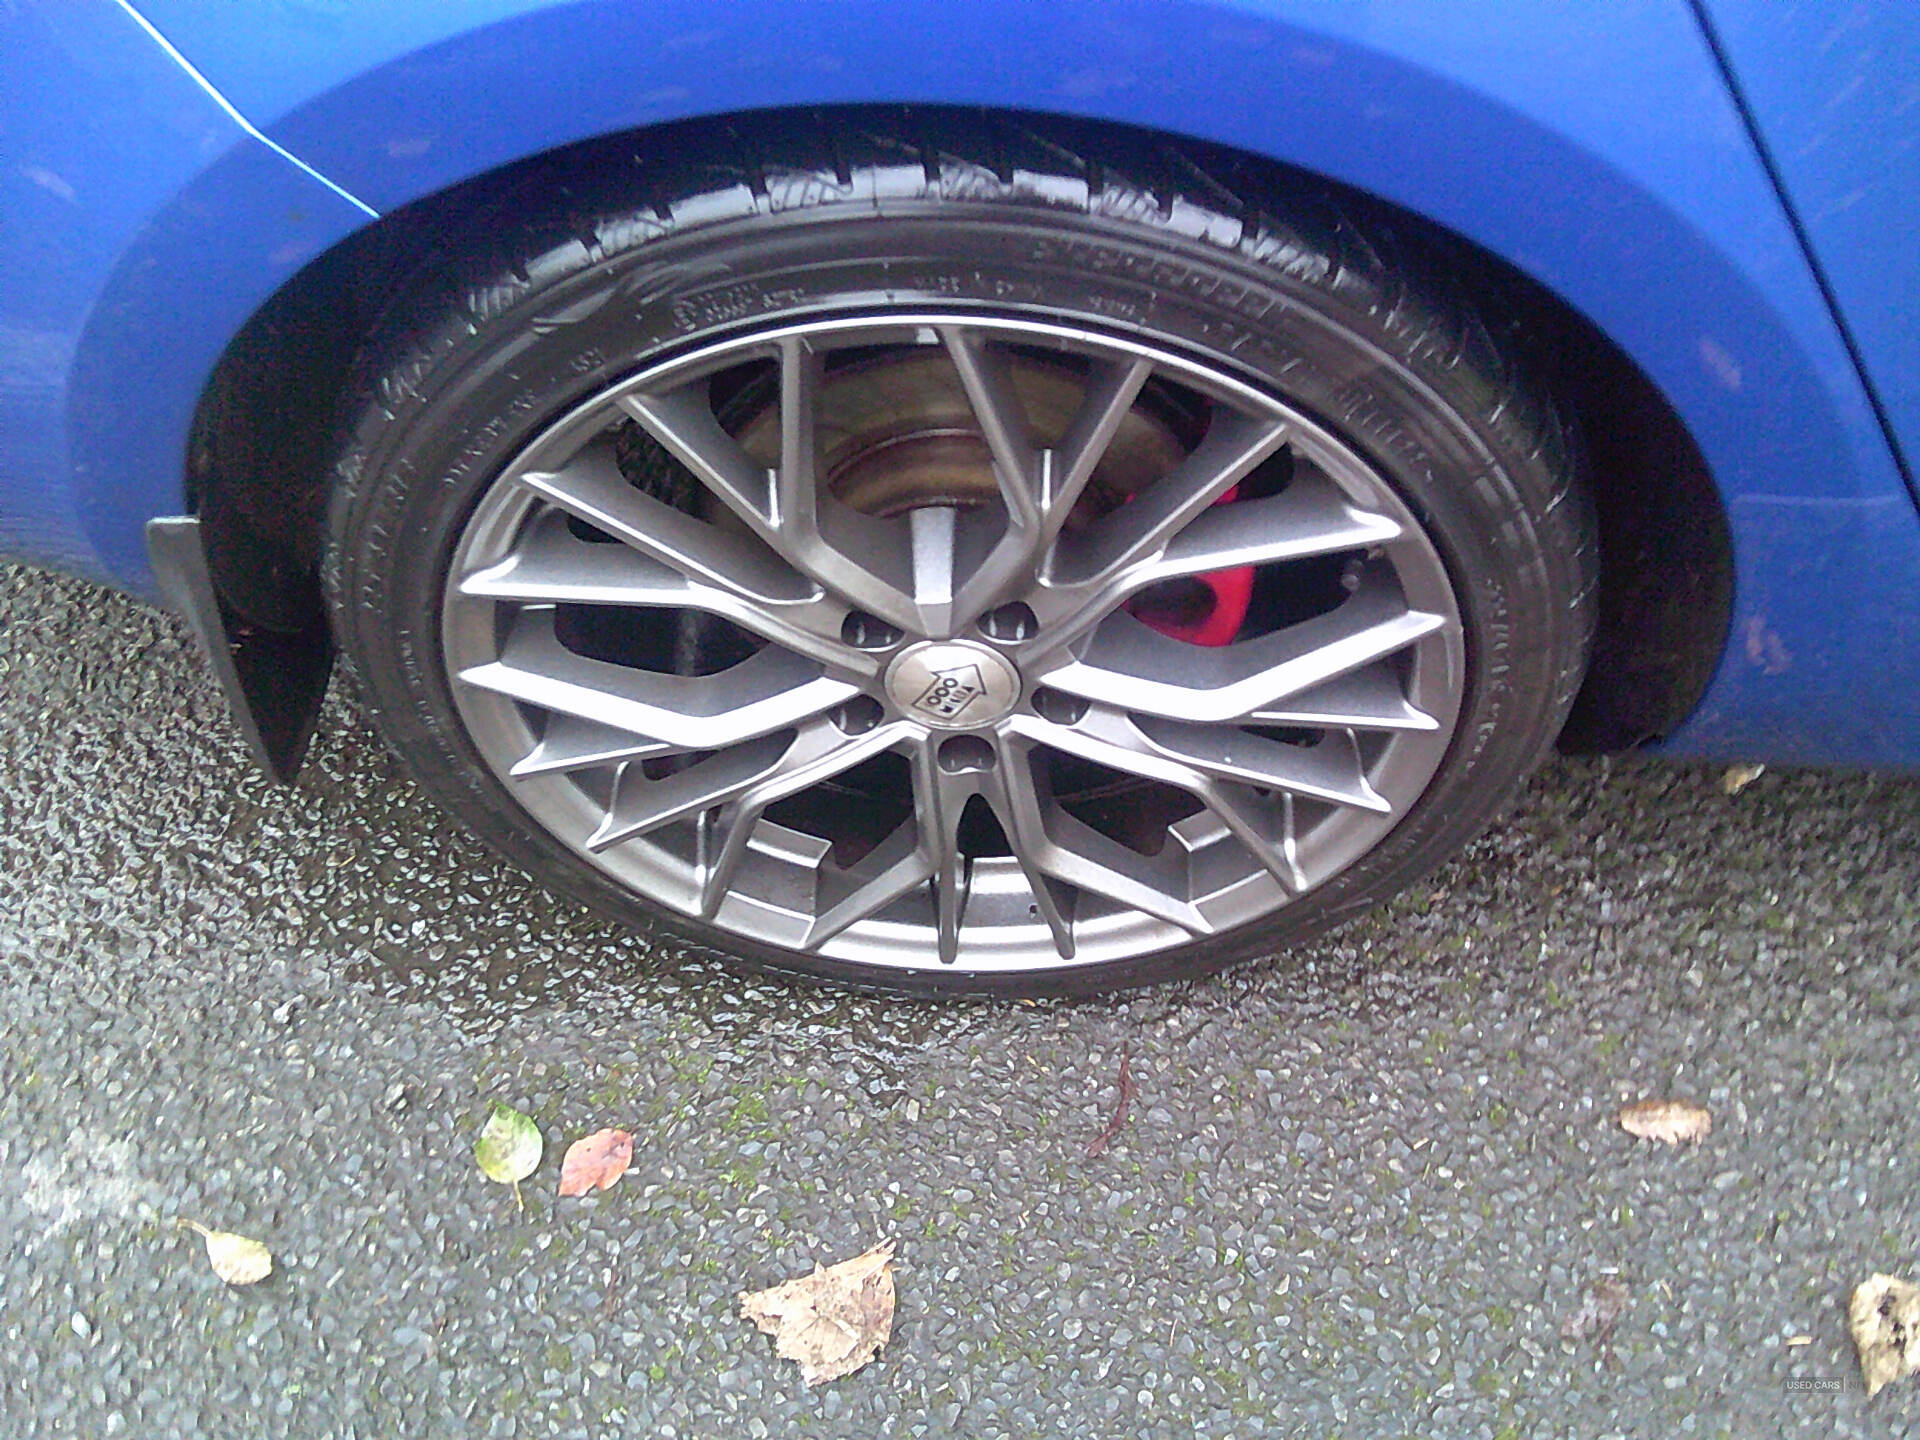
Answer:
[(1358, 1192)]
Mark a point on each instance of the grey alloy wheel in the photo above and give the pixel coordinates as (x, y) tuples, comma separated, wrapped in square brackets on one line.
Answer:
[(951, 639), (949, 553)]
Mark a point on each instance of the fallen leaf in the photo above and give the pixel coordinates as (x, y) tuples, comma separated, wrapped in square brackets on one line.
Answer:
[(236, 1259), (1606, 1301), (1668, 1121), (1127, 1091), (1884, 1316), (832, 1321), (509, 1148), (1738, 777), (595, 1162)]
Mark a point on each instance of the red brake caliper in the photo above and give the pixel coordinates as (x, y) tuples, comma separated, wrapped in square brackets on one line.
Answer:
[(1231, 592)]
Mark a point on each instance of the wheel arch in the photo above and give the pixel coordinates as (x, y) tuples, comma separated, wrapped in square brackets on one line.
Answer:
[(258, 457), (1658, 228)]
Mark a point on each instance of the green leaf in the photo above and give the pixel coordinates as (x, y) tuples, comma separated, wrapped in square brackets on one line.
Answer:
[(509, 1147)]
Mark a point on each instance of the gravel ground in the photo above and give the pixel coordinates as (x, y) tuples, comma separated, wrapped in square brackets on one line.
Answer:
[(1358, 1192)]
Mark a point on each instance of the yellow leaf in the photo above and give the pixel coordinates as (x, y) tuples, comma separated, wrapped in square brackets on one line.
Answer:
[(1668, 1121), (236, 1259)]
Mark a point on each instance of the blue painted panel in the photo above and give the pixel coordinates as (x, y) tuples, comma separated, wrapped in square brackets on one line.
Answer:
[(110, 319), (100, 132), (1592, 143), (1835, 90)]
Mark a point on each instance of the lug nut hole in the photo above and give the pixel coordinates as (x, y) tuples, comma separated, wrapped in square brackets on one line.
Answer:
[(1059, 707), (869, 632), (858, 715), (1011, 622), (962, 753)]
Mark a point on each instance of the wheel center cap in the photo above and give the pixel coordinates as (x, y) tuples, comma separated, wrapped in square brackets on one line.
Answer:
[(952, 684)]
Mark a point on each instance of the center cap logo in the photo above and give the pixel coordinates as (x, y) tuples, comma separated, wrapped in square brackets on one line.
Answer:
[(952, 684), (951, 692)]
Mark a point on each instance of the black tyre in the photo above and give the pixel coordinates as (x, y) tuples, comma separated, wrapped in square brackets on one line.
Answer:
[(1017, 562)]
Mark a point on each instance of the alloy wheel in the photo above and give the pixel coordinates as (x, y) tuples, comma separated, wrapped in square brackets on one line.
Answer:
[(953, 640)]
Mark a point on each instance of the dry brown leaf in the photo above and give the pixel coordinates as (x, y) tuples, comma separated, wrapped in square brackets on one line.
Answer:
[(235, 1259), (832, 1321), (595, 1162), (1606, 1301), (1884, 1316), (1738, 777), (1669, 1121)]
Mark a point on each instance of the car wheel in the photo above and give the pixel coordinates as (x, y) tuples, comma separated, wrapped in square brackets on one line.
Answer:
[(979, 565)]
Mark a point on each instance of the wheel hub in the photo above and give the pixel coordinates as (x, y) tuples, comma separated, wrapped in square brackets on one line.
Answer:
[(952, 684)]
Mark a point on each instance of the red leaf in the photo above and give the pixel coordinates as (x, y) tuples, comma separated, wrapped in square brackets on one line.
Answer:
[(596, 1162)]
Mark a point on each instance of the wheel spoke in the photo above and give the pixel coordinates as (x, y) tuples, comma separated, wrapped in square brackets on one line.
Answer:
[(795, 506), (551, 565), (862, 558), (1017, 804), (1156, 885), (743, 780), (1330, 770), (1112, 387), (1248, 683), (1112, 740), (1310, 517), (819, 754), (997, 408), (592, 488), (1143, 528), (932, 528), (770, 691), (1370, 698), (1038, 487), (895, 867), (1053, 843), (683, 421), (570, 743), (1194, 757), (939, 799), (641, 803), (1264, 826), (991, 556)]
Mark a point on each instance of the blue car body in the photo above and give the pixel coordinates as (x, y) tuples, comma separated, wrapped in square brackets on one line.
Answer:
[(1728, 191)]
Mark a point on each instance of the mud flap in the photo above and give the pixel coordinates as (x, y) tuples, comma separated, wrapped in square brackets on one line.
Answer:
[(273, 682)]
